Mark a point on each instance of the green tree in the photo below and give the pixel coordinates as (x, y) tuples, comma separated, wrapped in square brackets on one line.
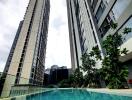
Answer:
[(87, 63), (88, 66), (67, 82), (113, 70), (74, 80), (64, 84), (78, 78)]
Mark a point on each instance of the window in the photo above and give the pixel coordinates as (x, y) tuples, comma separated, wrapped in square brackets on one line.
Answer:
[(91, 1), (19, 70), (94, 37), (24, 47), (22, 55), (84, 41), (23, 51), (119, 8), (105, 25), (85, 48), (21, 60), (113, 15), (16, 81), (82, 31), (128, 24), (107, 1), (33, 70), (20, 64), (94, 4), (18, 75), (100, 11), (32, 75)]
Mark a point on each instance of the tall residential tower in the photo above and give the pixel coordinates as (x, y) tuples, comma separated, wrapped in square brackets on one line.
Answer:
[(26, 61), (89, 24), (82, 30)]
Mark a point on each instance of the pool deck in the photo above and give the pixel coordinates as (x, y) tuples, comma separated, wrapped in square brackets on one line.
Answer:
[(124, 92)]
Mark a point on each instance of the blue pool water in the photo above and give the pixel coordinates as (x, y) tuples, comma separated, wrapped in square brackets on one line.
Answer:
[(75, 94)]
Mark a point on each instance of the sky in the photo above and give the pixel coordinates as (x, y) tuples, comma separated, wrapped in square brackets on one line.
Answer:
[(58, 50)]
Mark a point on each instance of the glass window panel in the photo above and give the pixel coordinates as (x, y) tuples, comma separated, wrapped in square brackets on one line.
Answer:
[(100, 11), (128, 25), (106, 1), (119, 8)]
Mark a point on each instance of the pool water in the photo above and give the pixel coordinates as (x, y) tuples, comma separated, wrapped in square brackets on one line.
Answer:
[(75, 94)]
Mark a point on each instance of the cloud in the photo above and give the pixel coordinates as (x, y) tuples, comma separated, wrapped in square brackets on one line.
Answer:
[(12, 12), (57, 23), (58, 50), (3, 1)]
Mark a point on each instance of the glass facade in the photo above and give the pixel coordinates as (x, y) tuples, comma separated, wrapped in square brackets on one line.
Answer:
[(94, 4), (119, 8), (107, 1), (36, 76), (79, 25), (96, 20), (100, 11), (128, 24), (105, 26)]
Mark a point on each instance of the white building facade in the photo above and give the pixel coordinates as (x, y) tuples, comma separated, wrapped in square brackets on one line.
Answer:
[(27, 62), (89, 24)]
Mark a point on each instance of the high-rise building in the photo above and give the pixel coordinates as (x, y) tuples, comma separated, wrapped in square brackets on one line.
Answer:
[(82, 30), (56, 74), (26, 61), (5, 72), (89, 24)]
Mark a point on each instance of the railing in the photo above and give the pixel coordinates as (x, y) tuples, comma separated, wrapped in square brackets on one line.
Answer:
[(8, 88)]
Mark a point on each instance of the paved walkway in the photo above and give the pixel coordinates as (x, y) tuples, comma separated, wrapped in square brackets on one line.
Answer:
[(124, 92)]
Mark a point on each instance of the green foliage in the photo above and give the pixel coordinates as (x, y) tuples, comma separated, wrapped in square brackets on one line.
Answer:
[(114, 25), (124, 51), (95, 53), (115, 81), (87, 62), (88, 66), (75, 80), (92, 79), (78, 78), (113, 71), (64, 84), (127, 30), (111, 64)]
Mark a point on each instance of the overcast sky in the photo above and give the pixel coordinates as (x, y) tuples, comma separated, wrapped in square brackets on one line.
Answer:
[(12, 12)]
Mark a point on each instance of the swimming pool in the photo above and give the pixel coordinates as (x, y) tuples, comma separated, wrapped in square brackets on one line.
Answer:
[(73, 94)]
